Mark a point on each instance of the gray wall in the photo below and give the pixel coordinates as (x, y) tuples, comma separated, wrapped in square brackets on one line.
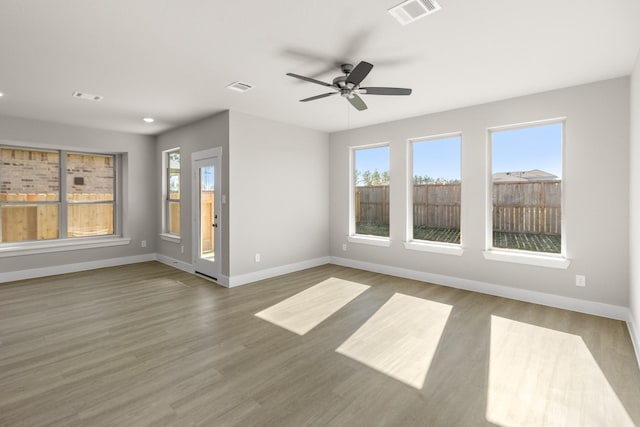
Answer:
[(139, 175), (634, 233), (201, 135), (596, 178), (279, 194)]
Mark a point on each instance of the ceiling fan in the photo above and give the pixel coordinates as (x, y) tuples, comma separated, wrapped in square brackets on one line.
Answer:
[(348, 86)]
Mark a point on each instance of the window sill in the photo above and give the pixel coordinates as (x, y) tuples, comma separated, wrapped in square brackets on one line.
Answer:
[(173, 238), (550, 261), (44, 247), (370, 240), (438, 248)]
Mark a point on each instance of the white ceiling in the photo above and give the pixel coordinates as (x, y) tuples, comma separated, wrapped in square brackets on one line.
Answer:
[(171, 59)]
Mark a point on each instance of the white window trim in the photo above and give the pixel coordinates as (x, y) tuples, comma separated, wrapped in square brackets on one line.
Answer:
[(164, 234), (363, 238), (541, 259), (60, 245), (434, 247), (428, 245), (370, 240)]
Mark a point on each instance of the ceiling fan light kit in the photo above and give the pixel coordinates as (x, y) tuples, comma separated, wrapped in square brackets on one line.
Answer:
[(348, 86)]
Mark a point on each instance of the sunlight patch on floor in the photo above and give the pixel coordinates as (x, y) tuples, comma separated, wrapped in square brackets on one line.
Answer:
[(307, 309), (540, 376), (400, 339)]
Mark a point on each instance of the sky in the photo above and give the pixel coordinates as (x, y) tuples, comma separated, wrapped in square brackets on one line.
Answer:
[(521, 149)]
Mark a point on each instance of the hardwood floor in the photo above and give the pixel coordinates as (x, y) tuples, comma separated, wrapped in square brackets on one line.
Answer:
[(146, 344)]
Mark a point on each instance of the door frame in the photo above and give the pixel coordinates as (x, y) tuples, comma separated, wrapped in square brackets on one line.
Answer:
[(195, 208)]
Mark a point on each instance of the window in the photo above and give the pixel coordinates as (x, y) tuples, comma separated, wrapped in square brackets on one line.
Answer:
[(526, 188), (371, 191), (435, 197), (172, 191), (36, 204)]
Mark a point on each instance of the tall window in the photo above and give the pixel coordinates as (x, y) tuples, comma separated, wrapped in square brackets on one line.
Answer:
[(172, 202), (526, 181), (35, 204), (436, 189), (371, 191)]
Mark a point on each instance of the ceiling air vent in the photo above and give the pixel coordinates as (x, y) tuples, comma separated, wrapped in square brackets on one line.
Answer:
[(412, 10), (240, 86), (87, 96)]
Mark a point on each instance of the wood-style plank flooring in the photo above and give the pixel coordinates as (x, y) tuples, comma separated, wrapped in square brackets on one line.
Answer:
[(146, 344)]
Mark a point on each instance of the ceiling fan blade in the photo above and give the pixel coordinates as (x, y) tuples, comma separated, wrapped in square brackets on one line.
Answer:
[(358, 74), (385, 91), (309, 79), (357, 102), (313, 98)]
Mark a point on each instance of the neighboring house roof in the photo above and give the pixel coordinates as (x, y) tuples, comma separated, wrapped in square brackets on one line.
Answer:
[(524, 176)]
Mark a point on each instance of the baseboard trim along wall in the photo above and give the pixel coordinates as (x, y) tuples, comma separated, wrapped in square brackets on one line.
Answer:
[(172, 262), (573, 304), (635, 338), (33, 273), (243, 279)]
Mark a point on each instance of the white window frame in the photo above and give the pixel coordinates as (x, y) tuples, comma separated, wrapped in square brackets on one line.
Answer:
[(64, 243), (541, 259), (426, 245), (165, 234), (352, 236)]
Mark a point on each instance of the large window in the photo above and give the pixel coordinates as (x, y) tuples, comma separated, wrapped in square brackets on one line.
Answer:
[(172, 191), (371, 191), (435, 198), (36, 204), (526, 188)]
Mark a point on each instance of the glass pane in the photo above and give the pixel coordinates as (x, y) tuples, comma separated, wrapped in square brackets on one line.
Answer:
[(207, 212), (527, 183), (89, 177), (94, 219), (372, 191), (174, 176), (29, 222), (436, 190), (29, 174), (174, 217)]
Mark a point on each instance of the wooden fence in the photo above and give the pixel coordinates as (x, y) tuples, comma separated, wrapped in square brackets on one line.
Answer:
[(41, 221), (522, 207)]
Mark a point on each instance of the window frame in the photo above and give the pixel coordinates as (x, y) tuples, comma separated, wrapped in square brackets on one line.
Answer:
[(166, 233), (63, 242), (542, 259), (352, 237), (429, 245)]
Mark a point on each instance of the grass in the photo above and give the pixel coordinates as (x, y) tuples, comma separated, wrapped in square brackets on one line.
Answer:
[(549, 243)]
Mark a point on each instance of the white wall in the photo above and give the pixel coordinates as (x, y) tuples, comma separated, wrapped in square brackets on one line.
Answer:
[(201, 135), (279, 194), (140, 219), (596, 191), (634, 232)]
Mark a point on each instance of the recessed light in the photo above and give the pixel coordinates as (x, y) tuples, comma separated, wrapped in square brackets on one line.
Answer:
[(1, 94), (149, 119)]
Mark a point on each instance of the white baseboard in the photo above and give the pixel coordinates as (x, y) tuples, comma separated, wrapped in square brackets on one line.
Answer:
[(243, 279), (33, 273), (635, 338), (573, 304), (172, 262)]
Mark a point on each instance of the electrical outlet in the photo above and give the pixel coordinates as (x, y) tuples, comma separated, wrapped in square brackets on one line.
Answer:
[(143, 243), (257, 257), (182, 249), (581, 280), (344, 246)]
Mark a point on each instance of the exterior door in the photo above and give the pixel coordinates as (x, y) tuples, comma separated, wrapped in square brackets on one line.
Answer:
[(207, 209)]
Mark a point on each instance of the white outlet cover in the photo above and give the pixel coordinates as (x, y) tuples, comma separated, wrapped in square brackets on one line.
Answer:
[(581, 281)]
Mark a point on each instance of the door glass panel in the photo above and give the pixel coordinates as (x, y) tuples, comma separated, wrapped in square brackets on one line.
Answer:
[(208, 218)]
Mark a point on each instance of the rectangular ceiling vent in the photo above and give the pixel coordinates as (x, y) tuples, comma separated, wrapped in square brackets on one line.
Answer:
[(87, 96), (412, 10), (240, 86)]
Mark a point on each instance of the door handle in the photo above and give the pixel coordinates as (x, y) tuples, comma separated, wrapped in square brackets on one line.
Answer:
[(214, 225)]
